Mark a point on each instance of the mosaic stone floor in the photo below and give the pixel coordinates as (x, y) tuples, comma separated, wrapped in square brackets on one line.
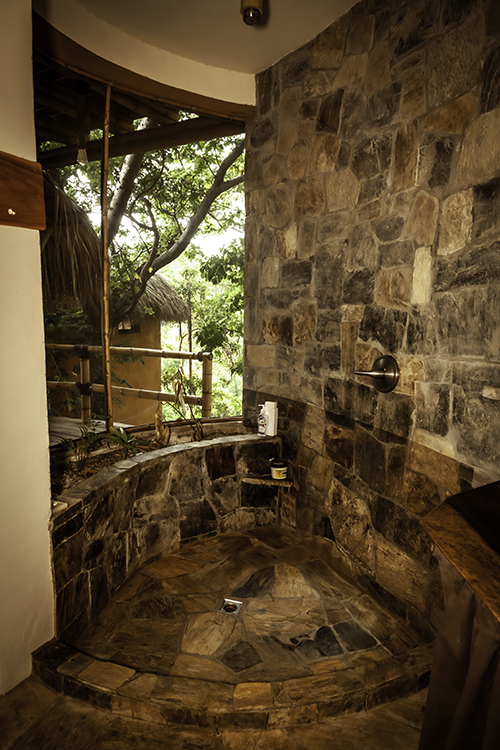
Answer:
[(305, 646)]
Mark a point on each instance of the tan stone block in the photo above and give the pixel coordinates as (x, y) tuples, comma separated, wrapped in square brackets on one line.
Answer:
[(291, 99), (441, 469), (479, 159), (393, 287), (421, 493), (287, 136), (422, 277), (286, 242), (320, 475), (342, 190), (352, 313), (328, 47), (297, 161), (267, 377), (312, 432), (171, 567), (405, 158), (279, 205), (289, 582), (274, 169), (456, 222), (400, 574), (309, 197), (351, 523), (413, 100), (304, 324), (411, 369), (454, 62), (136, 709), (270, 273), (452, 117), (106, 675), (352, 71), (253, 695), (287, 617), (378, 74), (257, 202), (422, 221), (206, 633), (316, 84), (260, 356), (325, 149)]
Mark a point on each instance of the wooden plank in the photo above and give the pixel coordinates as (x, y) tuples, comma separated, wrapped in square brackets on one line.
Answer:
[(21, 192)]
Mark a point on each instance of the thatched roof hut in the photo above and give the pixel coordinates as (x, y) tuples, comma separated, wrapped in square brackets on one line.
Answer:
[(71, 267)]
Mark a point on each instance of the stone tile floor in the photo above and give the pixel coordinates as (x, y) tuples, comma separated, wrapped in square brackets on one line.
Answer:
[(307, 656)]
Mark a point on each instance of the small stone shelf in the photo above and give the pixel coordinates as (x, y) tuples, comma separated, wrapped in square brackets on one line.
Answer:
[(267, 479)]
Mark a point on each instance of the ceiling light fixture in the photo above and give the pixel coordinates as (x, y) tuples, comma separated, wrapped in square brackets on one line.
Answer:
[(251, 10)]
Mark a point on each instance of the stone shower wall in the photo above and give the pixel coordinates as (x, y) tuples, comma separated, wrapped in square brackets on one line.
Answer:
[(373, 227), (148, 506)]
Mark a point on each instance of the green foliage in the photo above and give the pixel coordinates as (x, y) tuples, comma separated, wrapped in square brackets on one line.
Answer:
[(128, 444)]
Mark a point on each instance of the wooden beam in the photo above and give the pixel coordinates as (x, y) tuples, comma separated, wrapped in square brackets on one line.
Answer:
[(21, 193), (143, 141)]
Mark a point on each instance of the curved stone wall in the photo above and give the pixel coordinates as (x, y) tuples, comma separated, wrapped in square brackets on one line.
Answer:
[(148, 506)]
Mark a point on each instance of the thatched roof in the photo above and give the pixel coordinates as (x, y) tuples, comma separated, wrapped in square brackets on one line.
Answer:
[(71, 266)]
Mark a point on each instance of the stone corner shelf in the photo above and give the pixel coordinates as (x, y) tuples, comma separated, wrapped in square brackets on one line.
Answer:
[(267, 480)]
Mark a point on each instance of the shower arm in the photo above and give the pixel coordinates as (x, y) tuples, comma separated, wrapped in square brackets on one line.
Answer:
[(385, 373)]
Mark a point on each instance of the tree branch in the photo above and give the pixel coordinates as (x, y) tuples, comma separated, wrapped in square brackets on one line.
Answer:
[(218, 187)]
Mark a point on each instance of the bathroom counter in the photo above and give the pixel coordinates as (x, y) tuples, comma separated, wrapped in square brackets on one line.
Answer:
[(464, 691)]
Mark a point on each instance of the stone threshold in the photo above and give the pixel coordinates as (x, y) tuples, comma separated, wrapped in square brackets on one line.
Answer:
[(368, 680)]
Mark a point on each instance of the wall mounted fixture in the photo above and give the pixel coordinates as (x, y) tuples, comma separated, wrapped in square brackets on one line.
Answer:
[(385, 373), (252, 10)]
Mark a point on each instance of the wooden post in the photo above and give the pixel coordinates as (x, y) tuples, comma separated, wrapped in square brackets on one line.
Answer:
[(85, 399), (105, 333), (206, 389)]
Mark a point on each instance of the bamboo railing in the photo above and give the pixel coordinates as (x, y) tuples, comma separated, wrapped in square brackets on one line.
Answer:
[(86, 388)]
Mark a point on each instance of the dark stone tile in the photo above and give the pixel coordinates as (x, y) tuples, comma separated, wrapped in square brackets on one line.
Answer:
[(326, 642), (309, 109), (328, 275), (421, 336), (67, 529), (67, 559), (329, 114), (296, 273), (254, 459), (475, 267), (264, 87), (52, 654), (370, 460), (359, 287), (262, 132), (242, 720), (324, 529), (99, 515), (99, 590), (152, 479), (197, 517), (385, 325), (486, 209), (258, 496), (278, 329), (259, 584), (159, 608), (328, 324), (347, 401), (400, 253), (353, 114), (389, 230), (455, 11), (433, 408), (372, 189), (339, 445), (240, 657), (280, 299), (440, 172), (354, 636), (383, 107), (220, 461), (395, 414), (294, 73), (86, 693)]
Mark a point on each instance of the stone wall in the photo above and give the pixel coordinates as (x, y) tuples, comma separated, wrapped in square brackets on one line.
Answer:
[(373, 227), (148, 506)]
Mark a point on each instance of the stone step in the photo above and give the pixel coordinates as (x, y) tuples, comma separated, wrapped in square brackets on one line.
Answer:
[(350, 685)]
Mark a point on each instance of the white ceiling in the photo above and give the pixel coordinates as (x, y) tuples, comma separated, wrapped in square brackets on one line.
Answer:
[(213, 32)]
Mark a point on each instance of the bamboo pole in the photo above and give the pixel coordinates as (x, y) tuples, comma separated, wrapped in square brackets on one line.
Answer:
[(206, 390), (131, 350), (105, 334), (86, 399), (63, 385)]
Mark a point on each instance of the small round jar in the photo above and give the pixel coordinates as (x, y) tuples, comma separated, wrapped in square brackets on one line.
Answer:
[(279, 469)]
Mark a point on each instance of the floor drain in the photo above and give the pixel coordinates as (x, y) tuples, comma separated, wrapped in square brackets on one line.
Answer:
[(231, 606)]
